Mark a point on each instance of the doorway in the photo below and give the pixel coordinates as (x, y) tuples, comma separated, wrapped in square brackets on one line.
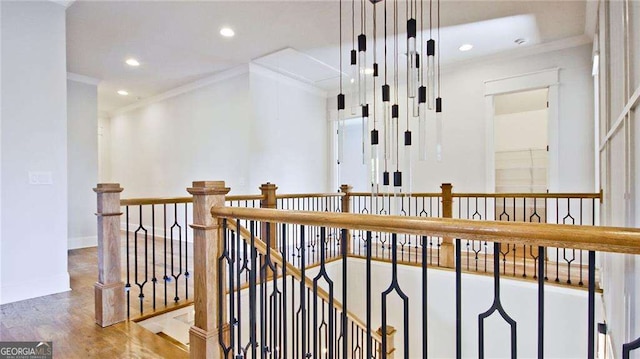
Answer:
[(521, 141)]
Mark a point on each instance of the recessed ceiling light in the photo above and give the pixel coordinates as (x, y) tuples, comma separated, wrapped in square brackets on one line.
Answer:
[(227, 32), (132, 62), (368, 71), (122, 93), (465, 47), (520, 41), (353, 81)]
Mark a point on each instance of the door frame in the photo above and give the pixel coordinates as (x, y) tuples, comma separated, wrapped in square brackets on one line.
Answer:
[(548, 78)]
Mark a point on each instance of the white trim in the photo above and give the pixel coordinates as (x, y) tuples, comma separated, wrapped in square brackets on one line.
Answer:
[(548, 78), (633, 101), (218, 77), (512, 54), (65, 3), (83, 79), (591, 18), (82, 242), (526, 81), (286, 78)]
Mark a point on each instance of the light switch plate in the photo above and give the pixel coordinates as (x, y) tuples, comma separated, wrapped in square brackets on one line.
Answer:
[(40, 178)]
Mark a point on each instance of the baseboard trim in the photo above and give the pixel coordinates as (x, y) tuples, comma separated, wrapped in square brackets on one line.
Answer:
[(82, 242)]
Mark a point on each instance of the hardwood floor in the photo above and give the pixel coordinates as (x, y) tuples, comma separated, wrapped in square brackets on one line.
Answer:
[(67, 319)]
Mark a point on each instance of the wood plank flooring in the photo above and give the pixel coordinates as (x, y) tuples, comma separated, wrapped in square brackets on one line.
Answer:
[(67, 320)]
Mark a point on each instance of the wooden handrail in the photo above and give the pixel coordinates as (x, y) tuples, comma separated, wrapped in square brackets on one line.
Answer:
[(606, 239), (244, 197), (158, 200), (529, 195), (418, 195), (309, 195), (172, 200), (261, 247)]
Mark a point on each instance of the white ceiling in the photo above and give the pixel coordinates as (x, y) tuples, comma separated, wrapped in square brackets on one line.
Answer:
[(177, 42)]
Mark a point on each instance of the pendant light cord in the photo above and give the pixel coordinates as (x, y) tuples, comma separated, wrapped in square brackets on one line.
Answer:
[(422, 54), (439, 70), (375, 58), (340, 29)]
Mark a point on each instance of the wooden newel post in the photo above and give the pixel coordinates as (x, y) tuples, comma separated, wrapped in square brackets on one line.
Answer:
[(447, 249), (110, 307), (207, 248), (269, 200), (391, 346), (346, 208)]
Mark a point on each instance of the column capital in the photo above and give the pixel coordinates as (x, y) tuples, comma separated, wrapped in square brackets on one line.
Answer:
[(208, 188), (108, 188)]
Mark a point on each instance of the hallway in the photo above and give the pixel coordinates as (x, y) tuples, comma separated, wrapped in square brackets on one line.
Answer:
[(67, 319)]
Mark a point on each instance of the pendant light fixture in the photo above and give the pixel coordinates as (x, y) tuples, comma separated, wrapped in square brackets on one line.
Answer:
[(375, 140), (341, 102), (362, 84), (422, 98), (386, 109), (422, 95), (439, 120), (355, 77)]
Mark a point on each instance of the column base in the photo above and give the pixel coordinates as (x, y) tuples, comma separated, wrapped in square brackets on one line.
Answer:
[(206, 344), (109, 303), (447, 255)]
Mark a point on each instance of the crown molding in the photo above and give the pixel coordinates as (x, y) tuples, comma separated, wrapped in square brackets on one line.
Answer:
[(65, 3), (83, 79), (218, 77), (557, 45), (286, 79)]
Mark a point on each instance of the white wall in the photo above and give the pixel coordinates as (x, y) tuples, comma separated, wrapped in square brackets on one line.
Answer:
[(249, 129), (619, 79), (289, 145), (464, 162), (564, 338), (104, 149), (520, 131), (159, 149), (34, 138), (82, 157)]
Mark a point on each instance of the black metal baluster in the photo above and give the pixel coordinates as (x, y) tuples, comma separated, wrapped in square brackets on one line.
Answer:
[(221, 292), (175, 275), (263, 306), (424, 300), (458, 300), (541, 251), (165, 278), (284, 328), (252, 293), (368, 279), (496, 306), (592, 306), (154, 280), (395, 286), (187, 275), (146, 259), (231, 256), (345, 286), (127, 286), (238, 320), (324, 275), (302, 296), (628, 347)]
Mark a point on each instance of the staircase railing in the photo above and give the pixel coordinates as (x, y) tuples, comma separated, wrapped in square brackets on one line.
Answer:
[(540, 236), (322, 244)]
